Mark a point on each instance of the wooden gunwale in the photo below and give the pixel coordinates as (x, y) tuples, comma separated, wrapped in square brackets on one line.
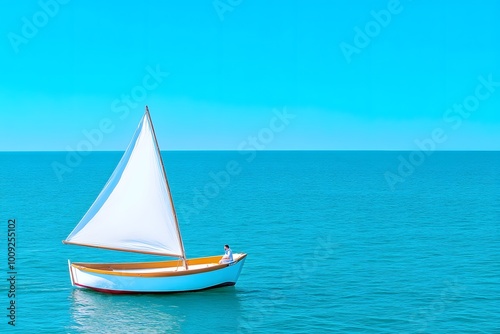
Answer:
[(116, 269)]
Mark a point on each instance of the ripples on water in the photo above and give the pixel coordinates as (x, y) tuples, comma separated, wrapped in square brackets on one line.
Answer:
[(331, 247)]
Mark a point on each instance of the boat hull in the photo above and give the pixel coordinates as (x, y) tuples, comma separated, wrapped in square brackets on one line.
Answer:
[(156, 277)]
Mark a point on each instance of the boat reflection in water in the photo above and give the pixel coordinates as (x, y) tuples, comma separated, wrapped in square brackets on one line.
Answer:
[(93, 312)]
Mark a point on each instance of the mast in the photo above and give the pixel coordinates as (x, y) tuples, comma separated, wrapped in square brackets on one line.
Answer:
[(168, 188)]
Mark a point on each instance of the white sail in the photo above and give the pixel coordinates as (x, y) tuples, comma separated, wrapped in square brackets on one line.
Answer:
[(134, 211)]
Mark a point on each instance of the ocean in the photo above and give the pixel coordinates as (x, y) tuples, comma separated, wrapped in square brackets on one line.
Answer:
[(337, 242)]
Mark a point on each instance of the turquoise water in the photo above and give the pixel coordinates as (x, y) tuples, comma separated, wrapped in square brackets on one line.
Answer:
[(332, 247)]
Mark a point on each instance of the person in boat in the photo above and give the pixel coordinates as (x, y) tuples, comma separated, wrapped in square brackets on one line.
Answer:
[(228, 255)]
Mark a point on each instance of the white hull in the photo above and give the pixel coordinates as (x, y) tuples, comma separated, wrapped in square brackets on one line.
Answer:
[(159, 277)]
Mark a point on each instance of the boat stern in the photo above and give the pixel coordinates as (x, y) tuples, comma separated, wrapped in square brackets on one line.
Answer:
[(71, 273)]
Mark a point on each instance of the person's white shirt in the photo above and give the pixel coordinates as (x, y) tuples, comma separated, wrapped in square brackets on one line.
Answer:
[(228, 256)]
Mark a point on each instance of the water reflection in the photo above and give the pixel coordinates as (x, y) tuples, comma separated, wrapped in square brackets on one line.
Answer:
[(212, 310)]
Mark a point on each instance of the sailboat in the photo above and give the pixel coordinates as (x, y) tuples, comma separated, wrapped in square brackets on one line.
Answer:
[(134, 212)]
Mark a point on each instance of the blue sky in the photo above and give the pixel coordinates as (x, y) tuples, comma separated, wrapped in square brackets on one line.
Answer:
[(353, 74)]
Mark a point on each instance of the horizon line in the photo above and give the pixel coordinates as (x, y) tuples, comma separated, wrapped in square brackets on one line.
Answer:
[(268, 150)]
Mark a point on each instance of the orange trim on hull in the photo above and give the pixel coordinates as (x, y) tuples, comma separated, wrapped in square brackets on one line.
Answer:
[(116, 268)]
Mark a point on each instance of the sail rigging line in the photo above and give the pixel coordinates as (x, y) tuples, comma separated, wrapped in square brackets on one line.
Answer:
[(168, 189), (117, 249)]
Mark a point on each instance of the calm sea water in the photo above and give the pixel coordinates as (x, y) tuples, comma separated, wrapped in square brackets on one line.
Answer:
[(332, 247)]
